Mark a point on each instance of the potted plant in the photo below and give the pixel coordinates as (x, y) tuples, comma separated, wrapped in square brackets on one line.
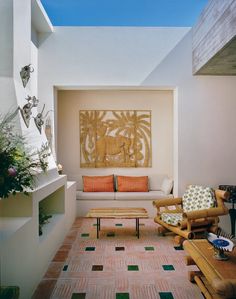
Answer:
[(18, 163)]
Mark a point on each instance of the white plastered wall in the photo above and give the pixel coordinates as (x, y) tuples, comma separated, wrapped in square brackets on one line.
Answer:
[(159, 102), (116, 57)]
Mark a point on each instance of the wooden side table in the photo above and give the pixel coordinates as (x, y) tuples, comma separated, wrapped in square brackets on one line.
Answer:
[(217, 279)]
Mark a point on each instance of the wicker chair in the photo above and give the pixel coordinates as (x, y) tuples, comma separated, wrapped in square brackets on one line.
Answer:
[(196, 212)]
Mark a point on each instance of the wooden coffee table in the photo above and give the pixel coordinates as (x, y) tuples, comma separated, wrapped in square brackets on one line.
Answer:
[(117, 213), (217, 279)]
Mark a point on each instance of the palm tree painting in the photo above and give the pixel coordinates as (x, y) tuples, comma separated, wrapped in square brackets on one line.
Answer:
[(120, 138)]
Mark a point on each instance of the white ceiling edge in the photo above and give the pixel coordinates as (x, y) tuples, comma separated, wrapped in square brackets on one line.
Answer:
[(39, 18), (114, 87)]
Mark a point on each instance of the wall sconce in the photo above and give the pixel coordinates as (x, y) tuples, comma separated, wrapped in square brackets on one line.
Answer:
[(25, 73), (26, 110)]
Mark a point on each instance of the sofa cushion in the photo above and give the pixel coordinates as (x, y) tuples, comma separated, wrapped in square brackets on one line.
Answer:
[(156, 180), (198, 198), (151, 195), (132, 183), (80, 195), (98, 183), (167, 185)]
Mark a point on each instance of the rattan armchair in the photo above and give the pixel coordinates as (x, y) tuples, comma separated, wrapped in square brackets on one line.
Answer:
[(195, 217)]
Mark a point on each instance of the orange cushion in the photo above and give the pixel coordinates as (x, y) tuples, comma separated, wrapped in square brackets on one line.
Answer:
[(98, 183), (132, 183)]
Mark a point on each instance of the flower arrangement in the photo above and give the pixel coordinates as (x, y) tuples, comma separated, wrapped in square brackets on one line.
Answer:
[(18, 164)]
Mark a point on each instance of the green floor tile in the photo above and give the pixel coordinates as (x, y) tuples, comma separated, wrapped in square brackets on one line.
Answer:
[(166, 295), (65, 268), (11, 292), (119, 224), (178, 248), (133, 268), (90, 249), (149, 248), (141, 224), (85, 235), (111, 234), (95, 224), (78, 296), (122, 295), (168, 267)]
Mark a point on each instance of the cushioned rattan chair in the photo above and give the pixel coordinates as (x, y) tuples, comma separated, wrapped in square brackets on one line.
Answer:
[(197, 211)]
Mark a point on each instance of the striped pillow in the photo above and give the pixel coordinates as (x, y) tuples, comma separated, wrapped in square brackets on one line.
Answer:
[(132, 183), (98, 183)]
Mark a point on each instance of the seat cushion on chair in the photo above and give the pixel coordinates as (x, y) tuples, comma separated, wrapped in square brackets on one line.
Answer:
[(198, 198), (172, 218)]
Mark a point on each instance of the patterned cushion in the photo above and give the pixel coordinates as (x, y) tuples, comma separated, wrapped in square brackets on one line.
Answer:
[(198, 198), (132, 183), (171, 218), (98, 183)]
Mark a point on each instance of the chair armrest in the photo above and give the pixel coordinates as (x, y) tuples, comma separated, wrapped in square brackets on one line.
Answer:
[(167, 202), (212, 212)]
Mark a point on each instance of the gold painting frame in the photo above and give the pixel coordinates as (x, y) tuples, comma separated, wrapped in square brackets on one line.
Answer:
[(115, 138)]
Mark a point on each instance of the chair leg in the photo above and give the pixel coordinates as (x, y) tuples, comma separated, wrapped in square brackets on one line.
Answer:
[(179, 240)]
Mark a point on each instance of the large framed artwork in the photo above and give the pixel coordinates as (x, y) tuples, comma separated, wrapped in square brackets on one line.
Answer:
[(115, 138)]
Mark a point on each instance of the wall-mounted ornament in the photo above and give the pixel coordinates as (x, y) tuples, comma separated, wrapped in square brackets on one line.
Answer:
[(25, 73), (26, 110), (48, 130), (39, 119), (115, 138)]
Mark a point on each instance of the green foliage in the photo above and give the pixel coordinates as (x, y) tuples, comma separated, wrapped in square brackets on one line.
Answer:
[(18, 164), (43, 219)]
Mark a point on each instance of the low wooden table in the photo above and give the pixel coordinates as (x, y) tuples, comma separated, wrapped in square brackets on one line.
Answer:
[(119, 213), (217, 279)]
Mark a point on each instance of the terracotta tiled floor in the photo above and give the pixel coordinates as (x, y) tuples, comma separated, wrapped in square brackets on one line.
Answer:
[(117, 265)]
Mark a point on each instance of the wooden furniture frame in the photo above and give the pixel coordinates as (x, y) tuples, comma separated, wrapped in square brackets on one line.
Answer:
[(193, 221), (117, 213), (216, 279)]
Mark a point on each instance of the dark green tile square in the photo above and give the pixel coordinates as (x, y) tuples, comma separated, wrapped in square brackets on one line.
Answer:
[(133, 268), (97, 268), (95, 224), (90, 249), (141, 224), (111, 234), (119, 224), (9, 292), (65, 268), (78, 296), (122, 295), (120, 248), (166, 295), (168, 267), (178, 248), (85, 235), (149, 248)]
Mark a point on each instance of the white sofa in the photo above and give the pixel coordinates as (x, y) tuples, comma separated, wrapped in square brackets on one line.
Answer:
[(160, 186)]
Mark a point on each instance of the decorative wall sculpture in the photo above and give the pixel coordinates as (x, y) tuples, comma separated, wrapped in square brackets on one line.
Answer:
[(26, 109), (25, 74), (120, 138)]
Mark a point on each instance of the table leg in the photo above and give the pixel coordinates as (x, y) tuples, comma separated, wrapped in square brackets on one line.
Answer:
[(98, 227), (137, 227)]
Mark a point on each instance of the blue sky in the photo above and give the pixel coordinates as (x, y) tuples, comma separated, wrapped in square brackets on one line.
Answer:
[(124, 12)]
